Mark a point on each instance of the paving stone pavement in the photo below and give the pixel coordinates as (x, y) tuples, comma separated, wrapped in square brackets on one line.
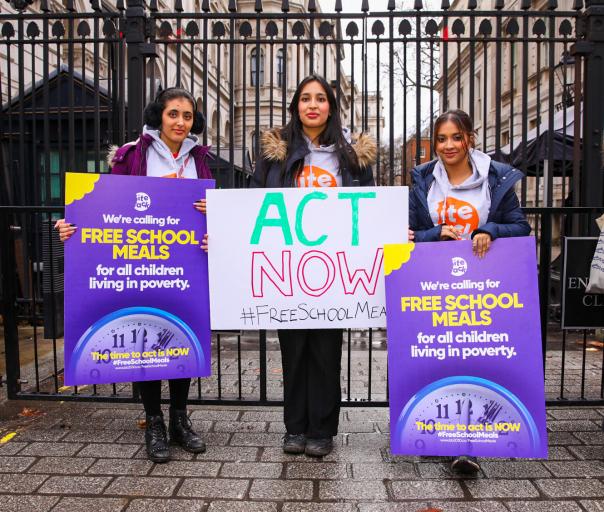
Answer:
[(68, 457), (89, 457)]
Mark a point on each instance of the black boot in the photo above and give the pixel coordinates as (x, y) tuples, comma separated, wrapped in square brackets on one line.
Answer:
[(156, 439), (465, 465), (318, 447), (182, 434), (294, 443)]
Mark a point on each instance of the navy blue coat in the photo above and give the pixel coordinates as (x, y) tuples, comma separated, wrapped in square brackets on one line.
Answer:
[(505, 219)]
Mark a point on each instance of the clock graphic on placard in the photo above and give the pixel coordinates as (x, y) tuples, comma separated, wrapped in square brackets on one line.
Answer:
[(492, 415), (166, 345)]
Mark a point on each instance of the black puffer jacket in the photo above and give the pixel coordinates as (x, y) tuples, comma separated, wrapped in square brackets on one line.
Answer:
[(268, 172)]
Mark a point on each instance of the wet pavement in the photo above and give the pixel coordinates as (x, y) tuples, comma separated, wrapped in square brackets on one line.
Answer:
[(90, 457), (72, 456)]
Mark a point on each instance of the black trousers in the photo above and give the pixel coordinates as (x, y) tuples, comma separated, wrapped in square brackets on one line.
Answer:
[(150, 391), (311, 360)]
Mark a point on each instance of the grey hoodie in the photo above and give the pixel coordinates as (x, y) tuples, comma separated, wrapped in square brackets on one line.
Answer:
[(465, 206), (321, 165), (161, 162)]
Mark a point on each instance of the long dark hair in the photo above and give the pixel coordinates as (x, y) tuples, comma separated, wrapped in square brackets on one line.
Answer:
[(332, 134)]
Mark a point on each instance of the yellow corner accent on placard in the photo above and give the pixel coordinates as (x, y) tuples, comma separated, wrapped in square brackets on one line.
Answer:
[(78, 184), (395, 255), (7, 437)]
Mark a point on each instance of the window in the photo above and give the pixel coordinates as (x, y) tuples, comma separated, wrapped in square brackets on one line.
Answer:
[(53, 174), (153, 79), (422, 151), (91, 162), (225, 63), (280, 67), (257, 67), (505, 138), (51, 178)]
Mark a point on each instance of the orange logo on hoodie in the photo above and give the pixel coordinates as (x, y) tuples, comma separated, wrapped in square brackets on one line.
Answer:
[(459, 214), (312, 176)]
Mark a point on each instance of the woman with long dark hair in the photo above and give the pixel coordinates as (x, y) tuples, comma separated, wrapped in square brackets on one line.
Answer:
[(464, 195), (312, 150), (167, 148)]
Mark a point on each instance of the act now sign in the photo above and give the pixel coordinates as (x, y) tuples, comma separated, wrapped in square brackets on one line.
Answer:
[(301, 258)]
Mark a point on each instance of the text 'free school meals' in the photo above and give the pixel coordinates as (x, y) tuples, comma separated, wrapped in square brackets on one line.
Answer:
[(136, 288), (465, 333)]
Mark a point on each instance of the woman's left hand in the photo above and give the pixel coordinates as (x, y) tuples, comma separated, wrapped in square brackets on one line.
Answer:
[(411, 235), (480, 244), (204, 243), (200, 205)]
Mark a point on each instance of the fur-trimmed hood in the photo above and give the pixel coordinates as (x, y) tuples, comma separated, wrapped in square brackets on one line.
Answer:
[(274, 147), (113, 151)]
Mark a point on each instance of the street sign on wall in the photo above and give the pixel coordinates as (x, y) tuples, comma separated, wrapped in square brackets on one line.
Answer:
[(580, 310)]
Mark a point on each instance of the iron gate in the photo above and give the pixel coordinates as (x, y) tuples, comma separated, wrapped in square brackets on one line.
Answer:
[(75, 81)]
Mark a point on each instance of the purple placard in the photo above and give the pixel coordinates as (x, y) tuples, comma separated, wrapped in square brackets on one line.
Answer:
[(464, 350), (136, 280)]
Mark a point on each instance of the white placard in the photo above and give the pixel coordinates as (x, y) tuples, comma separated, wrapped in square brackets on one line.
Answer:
[(301, 258)]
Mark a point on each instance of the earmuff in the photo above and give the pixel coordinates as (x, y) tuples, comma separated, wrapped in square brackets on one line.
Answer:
[(153, 111)]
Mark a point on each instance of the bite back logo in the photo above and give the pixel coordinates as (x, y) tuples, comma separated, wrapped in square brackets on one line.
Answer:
[(459, 266), (143, 202), (313, 176), (459, 214)]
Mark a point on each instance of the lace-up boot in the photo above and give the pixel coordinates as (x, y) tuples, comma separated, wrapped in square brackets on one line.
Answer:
[(182, 434), (156, 439)]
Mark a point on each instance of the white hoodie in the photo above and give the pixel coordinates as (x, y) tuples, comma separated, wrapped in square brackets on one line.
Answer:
[(161, 162), (465, 206)]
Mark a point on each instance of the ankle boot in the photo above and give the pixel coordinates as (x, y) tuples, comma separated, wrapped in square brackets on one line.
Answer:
[(182, 434), (156, 439)]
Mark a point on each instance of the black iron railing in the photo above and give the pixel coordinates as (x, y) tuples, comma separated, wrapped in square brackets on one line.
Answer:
[(246, 365)]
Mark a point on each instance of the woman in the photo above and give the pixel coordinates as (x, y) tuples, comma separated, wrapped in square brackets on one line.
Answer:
[(312, 150), (464, 195), (166, 149)]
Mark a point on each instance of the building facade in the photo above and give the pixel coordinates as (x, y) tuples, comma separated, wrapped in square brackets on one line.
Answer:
[(410, 151), (506, 88), (242, 88)]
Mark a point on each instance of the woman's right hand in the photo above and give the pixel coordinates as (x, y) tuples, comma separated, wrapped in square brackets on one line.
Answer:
[(65, 229), (200, 205), (449, 233)]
